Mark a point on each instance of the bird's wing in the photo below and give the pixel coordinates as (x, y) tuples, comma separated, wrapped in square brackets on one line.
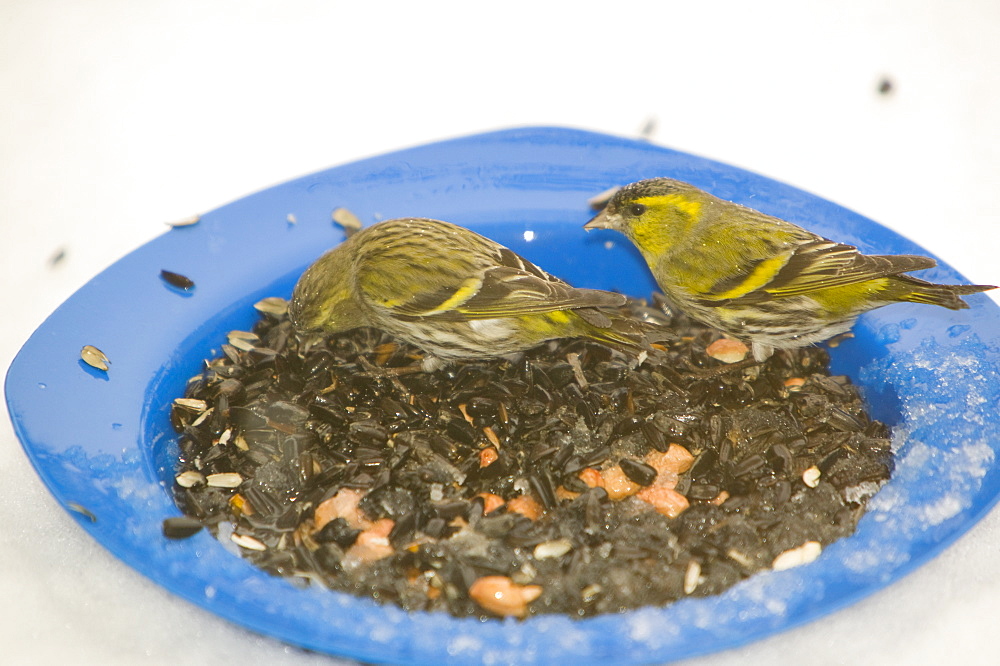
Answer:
[(502, 285), (822, 264), (809, 266)]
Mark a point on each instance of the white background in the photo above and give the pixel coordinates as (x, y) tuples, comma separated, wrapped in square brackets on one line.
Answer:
[(116, 116)]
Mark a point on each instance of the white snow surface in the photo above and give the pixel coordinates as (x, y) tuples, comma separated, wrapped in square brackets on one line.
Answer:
[(120, 116)]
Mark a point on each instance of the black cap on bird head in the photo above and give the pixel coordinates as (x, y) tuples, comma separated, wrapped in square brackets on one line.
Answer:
[(612, 215)]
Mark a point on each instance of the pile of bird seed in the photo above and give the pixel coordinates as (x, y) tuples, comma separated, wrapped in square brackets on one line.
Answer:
[(573, 480)]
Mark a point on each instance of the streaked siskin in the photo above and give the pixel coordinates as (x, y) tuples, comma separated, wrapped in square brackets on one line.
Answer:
[(451, 292), (758, 278)]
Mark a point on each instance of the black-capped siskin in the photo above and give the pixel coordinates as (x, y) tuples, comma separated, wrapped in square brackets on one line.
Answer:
[(452, 293), (758, 278)]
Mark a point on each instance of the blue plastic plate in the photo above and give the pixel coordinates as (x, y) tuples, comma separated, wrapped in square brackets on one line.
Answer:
[(102, 441)]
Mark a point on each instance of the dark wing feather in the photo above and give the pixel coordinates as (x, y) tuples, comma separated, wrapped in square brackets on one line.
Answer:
[(822, 264), (492, 281)]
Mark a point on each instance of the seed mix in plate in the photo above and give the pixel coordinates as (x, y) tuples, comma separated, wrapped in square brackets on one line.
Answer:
[(574, 480)]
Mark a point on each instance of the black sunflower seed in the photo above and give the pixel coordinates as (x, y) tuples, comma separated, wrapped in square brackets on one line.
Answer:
[(640, 472), (177, 280), (181, 527)]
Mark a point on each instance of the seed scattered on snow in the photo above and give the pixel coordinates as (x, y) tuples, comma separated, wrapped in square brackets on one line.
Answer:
[(190, 479), (810, 477), (272, 305), (57, 257), (82, 510), (795, 557), (648, 128), (94, 357), (186, 222), (291, 218), (248, 542), (727, 351), (224, 480)]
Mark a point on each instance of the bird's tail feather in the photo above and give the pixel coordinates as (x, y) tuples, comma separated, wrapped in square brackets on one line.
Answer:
[(614, 329), (945, 295)]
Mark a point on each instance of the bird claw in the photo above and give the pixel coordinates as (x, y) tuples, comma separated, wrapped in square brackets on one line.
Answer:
[(392, 374)]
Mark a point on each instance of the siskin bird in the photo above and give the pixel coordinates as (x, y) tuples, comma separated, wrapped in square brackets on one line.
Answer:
[(451, 292), (758, 278)]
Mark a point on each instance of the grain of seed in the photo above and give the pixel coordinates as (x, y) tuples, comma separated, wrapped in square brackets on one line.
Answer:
[(591, 592), (487, 456), (242, 344), (492, 436), (203, 417), (502, 596), (574, 362), (177, 280), (599, 201), (727, 351), (692, 576), (94, 357), (795, 557), (194, 404), (347, 220), (552, 549), (190, 479), (272, 305), (527, 506), (57, 257), (246, 541), (224, 480), (186, 222), (810, 477), (82, 510), (794, 383), (181, 527)]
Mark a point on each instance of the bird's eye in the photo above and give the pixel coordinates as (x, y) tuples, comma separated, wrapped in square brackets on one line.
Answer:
[(636, 209)]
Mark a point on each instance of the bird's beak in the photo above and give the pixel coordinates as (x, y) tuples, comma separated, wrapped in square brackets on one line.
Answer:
[(604, 220)]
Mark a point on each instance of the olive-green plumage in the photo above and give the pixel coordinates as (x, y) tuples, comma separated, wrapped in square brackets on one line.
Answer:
[(756, 277), (451, 292)]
